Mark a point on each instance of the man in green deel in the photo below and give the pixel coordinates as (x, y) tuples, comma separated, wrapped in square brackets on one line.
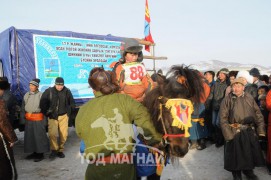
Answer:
[(105, 126)]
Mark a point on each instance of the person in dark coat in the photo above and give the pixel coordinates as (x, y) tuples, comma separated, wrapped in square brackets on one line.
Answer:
[(7, 140), (57, 104), (242, 125), (10, 100), (214, 100)]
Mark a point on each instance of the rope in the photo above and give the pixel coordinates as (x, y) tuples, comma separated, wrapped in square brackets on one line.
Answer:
[(6, 149)]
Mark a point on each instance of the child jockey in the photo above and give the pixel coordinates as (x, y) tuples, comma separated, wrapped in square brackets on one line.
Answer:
[(131, 73)]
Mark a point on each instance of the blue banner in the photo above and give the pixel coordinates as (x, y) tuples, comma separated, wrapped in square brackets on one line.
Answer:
[(72, 59)]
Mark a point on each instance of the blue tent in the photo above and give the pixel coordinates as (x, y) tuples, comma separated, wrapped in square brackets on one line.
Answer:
[(17, 55)]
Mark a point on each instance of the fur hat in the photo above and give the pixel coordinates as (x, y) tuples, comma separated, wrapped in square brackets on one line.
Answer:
[(130, 45), (224, 70), (59, 81), (35, 82), (246, 75), (238, 80), (254, 72)]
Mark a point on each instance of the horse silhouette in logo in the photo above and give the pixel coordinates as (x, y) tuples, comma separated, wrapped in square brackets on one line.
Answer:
[(115, 130)]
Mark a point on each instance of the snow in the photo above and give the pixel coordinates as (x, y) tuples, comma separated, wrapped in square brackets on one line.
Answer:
[(196, 165)]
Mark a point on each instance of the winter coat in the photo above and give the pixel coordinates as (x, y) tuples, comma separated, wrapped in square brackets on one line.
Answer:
[(239, 117), (233, 111), (252, 90), (54, 103), (10, 104), (109, 118), (216, 95), (7, 136), (268, 106)]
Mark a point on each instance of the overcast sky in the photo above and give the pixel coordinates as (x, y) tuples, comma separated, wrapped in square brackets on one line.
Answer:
[(186, 31)]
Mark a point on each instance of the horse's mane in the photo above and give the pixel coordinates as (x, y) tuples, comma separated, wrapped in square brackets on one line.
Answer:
[(168, 87)]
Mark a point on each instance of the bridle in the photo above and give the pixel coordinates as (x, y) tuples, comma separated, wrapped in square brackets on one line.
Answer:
[(160, 118)]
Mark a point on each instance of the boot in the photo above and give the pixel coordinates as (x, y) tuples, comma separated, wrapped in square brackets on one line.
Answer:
[(237, 175), (268, 168), (53, 155), (39, 157), (250, 174), (31, 156), (201, 144)]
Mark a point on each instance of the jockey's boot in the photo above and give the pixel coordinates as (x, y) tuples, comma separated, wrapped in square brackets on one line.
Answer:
[(237, 175)]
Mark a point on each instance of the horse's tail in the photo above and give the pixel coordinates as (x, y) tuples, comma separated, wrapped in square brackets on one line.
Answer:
[(140, 131)]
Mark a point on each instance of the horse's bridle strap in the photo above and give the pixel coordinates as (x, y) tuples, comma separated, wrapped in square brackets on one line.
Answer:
[(173, 135)]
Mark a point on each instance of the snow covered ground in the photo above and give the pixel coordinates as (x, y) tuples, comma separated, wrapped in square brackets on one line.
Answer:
[(196, 165)]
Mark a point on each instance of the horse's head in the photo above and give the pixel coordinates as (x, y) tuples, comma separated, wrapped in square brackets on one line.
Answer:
[(172, 97), (100, 122)]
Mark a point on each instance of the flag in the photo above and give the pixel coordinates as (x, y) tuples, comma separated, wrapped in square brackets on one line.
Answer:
[(147, 31)]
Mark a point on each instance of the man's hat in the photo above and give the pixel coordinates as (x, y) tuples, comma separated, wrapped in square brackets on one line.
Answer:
[(35, 82), (59, 81), (238, 80), (224, 71), (254, 72)]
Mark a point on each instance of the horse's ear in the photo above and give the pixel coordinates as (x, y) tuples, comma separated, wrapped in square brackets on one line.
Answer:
[(160, 79)]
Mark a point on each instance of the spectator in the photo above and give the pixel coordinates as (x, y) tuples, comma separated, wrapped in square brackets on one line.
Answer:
[(7, 140), (114, 109), (35, 137), (209, 76), (250, 88), (10, 100), (240, 120), (232, 76), (265, 79), (199, 130), (268, 157), (215, 98), (255, 73), (57, 103)]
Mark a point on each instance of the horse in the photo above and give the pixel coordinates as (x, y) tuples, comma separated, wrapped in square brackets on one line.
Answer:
[(180, 83)]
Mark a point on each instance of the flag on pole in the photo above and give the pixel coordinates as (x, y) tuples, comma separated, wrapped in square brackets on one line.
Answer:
[(147, 31)]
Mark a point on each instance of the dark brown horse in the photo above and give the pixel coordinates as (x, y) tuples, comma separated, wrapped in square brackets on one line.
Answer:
[(181, 82)]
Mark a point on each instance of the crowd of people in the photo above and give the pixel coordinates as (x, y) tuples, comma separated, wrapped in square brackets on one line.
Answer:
[(234, 111)]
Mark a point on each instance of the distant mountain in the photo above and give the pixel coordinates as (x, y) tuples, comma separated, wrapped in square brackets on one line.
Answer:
[(216, 65)]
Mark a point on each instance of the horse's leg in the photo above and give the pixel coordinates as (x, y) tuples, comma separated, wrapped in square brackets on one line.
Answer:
[(125, 147), (106, 141)]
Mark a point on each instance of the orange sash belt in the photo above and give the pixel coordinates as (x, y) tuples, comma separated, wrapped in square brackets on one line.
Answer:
[(34, 116)]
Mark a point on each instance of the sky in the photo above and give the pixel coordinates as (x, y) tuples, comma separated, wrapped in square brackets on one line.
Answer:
[(185, 31)]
